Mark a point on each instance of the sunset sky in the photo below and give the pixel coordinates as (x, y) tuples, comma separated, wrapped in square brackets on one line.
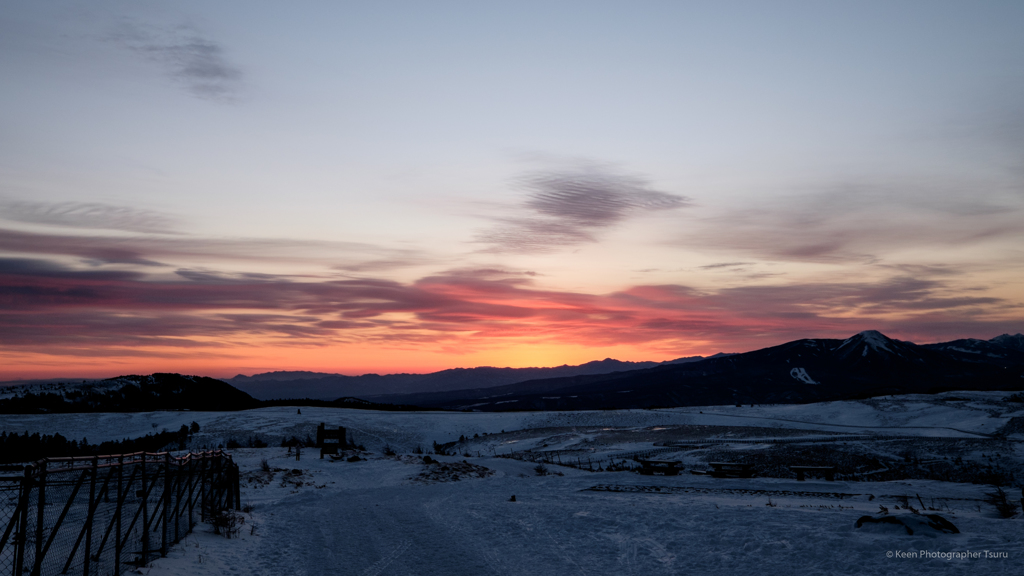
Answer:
[(240, 187)]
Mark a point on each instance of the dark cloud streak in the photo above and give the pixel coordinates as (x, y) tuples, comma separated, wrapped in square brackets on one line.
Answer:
[(725, 265), (571, 206), (187, 56), (154, 250), (94, 215)]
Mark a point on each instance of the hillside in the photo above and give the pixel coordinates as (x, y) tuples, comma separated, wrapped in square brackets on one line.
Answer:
[(127, 394)]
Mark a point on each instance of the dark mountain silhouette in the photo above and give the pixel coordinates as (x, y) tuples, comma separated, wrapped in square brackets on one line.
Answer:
[(279, 385), (280, 376), (865, 365), (129, 394), (1002, 350), (1015, 342)]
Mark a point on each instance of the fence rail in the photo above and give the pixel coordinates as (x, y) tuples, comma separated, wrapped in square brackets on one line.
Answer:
[(107, 514)]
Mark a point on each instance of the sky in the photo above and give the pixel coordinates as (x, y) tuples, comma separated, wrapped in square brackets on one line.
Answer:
[(241, 187)]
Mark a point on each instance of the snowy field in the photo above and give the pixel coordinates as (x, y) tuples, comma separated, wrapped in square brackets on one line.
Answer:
[(978, 413), (399, 515), (371, 517)]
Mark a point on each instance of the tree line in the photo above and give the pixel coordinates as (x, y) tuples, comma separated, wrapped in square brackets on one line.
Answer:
[(20, 448)]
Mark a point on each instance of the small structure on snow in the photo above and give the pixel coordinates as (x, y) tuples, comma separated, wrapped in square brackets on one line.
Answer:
[(330, 441)]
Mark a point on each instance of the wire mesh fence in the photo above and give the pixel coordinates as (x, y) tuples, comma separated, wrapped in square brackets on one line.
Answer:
[(9, 496), (108, 514)]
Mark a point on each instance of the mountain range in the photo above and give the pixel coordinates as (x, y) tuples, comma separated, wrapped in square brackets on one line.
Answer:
[(865, 365), (868, 364), (320, 386)]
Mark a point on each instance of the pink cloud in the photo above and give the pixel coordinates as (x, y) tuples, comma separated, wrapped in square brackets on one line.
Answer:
[(44, 305)]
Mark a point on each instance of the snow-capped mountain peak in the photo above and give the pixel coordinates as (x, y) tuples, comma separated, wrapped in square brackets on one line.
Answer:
[(875, 340), (1013, 342), (872, 340)]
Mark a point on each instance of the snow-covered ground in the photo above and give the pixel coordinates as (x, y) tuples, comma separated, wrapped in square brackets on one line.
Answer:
[(399, 515), (979, 413), (371, 517)]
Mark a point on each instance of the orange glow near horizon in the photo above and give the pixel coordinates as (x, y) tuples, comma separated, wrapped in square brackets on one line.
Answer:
[(108, 325), (350, 360)]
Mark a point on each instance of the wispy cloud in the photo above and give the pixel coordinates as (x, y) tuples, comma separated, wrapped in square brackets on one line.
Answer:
[(860, 222), (194, 60), (400, 259), (566, 207), (161, 250), (719, 265), (95, 215)]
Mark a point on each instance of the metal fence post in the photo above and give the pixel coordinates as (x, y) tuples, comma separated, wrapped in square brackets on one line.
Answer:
[(225, 475), (211, 493), (178, 490), (91, 514), (229, 486), (214, 494), (202, 489), (238, 489), (37, 563), (118, 541), (21, 538), (221, 482), (167, 502), (191, 489), (145, 513)]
